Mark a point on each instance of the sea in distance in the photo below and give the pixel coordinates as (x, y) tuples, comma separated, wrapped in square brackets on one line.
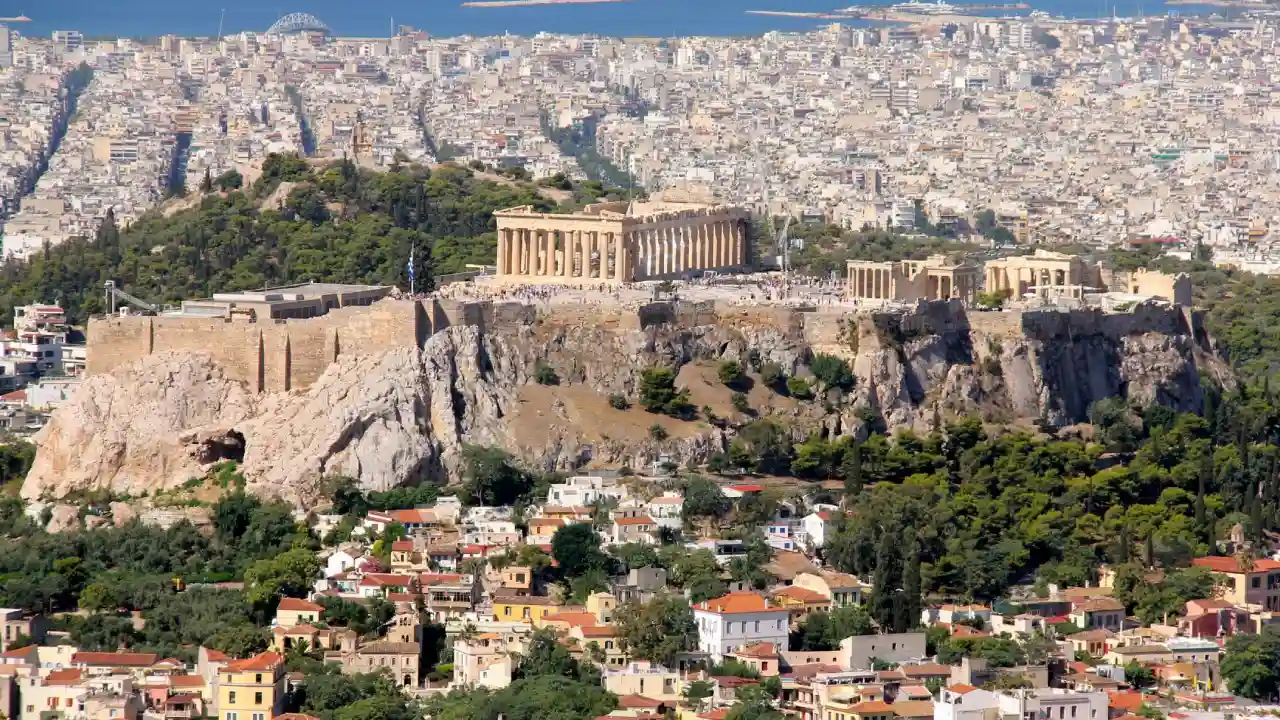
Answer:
[(373, 18)]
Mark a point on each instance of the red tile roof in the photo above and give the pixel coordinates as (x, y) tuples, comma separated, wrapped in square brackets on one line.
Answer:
[(296, 604), (738, 602), (115, 659), (186, 681), (21, 652), (402, 546), (961, 688), (642, 520), (872, 706), (261, 661), (758, 650), (1232, 565), (634, 702), (63, 677)]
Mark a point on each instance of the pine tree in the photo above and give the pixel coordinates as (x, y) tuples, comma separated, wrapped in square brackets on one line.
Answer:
[(911, 589)]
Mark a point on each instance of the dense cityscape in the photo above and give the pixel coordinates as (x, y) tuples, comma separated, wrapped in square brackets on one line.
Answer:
[(916, 367)]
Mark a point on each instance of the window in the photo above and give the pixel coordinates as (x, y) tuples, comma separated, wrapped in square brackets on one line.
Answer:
[(506, 610), (1073, 711), (258, 716), (764, 667), (231, 715), (1257, 582), (231, 697), (257, 678), (257, 698)]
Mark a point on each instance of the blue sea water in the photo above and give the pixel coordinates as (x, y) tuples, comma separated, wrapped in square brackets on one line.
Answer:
[(652, 18)]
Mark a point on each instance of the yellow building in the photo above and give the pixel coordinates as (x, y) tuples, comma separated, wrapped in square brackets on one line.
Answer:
[(252, 689), (510, 608)]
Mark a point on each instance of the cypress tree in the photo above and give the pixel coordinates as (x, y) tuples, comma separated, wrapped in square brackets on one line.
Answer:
[(1122, 557), (883, 582), (1211, 533), (1150, 550), (911, 583), (853, 470)]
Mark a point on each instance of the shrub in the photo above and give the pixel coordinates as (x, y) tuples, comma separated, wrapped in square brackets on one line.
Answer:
[(831, 371), (771, 375), (618, 401), (739, 401), (657, 432), (798, 387), (731, 374), (544, 374), (658, 394)]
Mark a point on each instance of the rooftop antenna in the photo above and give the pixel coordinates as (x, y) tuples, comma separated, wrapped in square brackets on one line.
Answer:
[(393, 26), (221, 17)]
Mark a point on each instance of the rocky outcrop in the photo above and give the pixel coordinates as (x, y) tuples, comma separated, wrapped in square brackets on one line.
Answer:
[(404, 414)]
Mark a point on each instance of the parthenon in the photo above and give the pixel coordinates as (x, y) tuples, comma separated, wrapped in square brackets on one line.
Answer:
[(614, 243)]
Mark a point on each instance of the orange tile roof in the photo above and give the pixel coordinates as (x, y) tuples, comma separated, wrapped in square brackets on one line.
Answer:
[(115, 659), (1131, 700), (597, 631), (63, 677), (738, 602), (637, 701), (261, 661), (1233, 565), (758, 650), (871, 706), (21, 652), (296, 604), (642, 520), (961, 688), (804, 595), (571, 618), (186, 681)]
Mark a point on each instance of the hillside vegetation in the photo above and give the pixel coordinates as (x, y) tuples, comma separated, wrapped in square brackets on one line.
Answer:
[(336, 224)]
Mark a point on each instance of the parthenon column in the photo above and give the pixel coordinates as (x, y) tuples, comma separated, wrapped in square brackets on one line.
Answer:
[(548, 248), (617, 255), (566, 252), (579, 252)]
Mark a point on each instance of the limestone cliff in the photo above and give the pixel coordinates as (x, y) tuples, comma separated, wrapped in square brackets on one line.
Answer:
[(404, 414)]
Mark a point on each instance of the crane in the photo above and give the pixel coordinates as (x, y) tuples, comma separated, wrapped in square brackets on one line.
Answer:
[(114, 295)]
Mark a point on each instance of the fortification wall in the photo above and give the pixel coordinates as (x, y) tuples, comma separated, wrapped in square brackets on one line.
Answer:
[(267, 356), (292, 354)]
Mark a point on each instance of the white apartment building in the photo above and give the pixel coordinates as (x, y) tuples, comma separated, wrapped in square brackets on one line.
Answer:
[(737, 620), (1053, 704)]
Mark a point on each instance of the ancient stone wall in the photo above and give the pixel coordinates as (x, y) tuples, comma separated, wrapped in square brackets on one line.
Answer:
[(267, 356), (292, 354)]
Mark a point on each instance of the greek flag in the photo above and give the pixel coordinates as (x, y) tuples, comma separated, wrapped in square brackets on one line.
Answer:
[(410, 267)]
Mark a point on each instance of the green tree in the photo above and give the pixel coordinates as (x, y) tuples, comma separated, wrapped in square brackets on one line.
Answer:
[(577, 550), (832, 371), (99, 597), (658, 630), (731, 374), (1251, 665), (290, 574)]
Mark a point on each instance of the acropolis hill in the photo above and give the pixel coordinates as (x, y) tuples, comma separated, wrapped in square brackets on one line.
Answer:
[(390, 391)]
